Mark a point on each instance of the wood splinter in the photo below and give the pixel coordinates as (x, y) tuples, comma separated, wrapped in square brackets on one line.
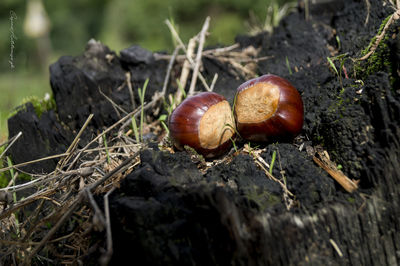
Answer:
[(348, 184)]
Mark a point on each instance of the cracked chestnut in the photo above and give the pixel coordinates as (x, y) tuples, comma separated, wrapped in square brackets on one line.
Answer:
[(203, 122), (268, 108)]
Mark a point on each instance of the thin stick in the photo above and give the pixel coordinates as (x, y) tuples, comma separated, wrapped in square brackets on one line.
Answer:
[(176, 36), (14, 139), (33, 161), (112, 147), (96, 207), (213, 82), (107, 256), (75, 204), (222, 49), (116, 106), (113, 172), (274, 179), (213, 56), (168, 74), (75, 141), (343, 180), (255, 60), (336, 247), (18, 243), (26, 185), (210, 52), (55, 228), (199, 55), (185, 71), (43, 179), (101, 134), (23, 203), (192, 63), (368, 4)]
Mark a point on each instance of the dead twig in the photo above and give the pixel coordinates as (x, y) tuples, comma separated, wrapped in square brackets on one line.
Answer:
[(261, 163), (74, 204), (330, 167), (343, 180), (192, 42), (101, 135), (185, 71), (178, 39), (270, 176), (196, 68), (115, 106), (54, 229), (105, 259), (168, 74), (33, 161), (368, 4), (74, 143), (213, 82)]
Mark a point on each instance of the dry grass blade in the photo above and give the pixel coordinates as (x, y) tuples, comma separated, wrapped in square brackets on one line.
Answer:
[(12, 141), (33, 161), (285, 189), (178, 39), (58, 197), (128, 116), (222, 50), (129, 84), (74, 143), (115, 106), (54, 229), (262, 164), (75, 203), (24, 203)]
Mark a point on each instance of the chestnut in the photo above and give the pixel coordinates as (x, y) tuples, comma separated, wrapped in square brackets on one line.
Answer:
[(203, 122), (268, 108)]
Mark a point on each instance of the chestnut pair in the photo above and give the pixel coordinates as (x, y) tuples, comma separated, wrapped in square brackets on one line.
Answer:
[(265, 108)]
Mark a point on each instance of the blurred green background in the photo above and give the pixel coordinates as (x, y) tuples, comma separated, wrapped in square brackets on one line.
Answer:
[(35, 33)]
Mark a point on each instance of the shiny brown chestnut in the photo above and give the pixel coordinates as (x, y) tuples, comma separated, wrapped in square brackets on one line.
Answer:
[(203, 122), (268, 108)]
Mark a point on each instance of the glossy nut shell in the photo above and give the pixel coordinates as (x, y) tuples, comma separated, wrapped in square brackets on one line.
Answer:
[(268, 108), (203, 122)]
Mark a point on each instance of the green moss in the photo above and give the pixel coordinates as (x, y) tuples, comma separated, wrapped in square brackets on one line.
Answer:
[(3, 180), (40, 105), (379, 60), (263, 198), (351, 199), (373, 40)]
